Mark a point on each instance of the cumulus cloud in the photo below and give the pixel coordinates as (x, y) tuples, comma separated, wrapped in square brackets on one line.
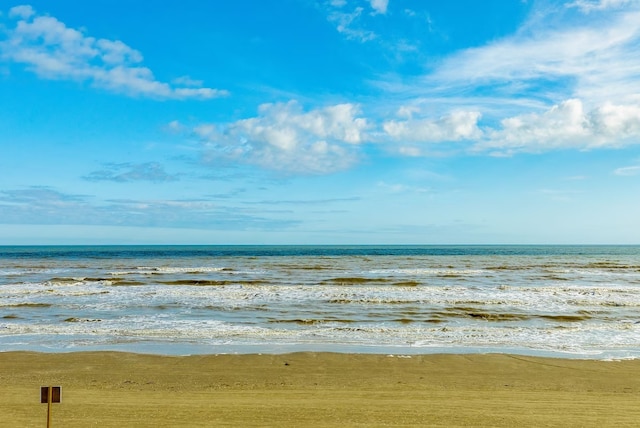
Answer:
[(125, 172), (459, 125), (564, 126), (380, 6), (22, 11), (283, 137), (567, 125), (47, 47)]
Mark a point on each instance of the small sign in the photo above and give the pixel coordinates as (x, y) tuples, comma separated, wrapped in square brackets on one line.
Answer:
[(56, 394)]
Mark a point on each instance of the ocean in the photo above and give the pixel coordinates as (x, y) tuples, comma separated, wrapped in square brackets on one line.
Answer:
[(564, 301)]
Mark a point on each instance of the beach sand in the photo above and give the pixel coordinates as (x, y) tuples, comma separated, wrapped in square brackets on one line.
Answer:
[(110, 389)]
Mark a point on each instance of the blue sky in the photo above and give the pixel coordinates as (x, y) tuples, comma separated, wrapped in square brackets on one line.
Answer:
[(320, 122)]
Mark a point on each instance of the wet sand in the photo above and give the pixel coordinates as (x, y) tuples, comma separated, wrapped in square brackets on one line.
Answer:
[(109, 389)]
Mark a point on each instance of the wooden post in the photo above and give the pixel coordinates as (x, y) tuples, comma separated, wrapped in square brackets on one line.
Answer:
[(49, 406)]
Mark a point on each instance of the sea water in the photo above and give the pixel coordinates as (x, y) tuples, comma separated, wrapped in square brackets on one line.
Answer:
[(569, 301)]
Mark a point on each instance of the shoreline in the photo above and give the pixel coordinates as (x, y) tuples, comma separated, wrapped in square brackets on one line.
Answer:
[(401, 352), (185, 349), (318, 389)]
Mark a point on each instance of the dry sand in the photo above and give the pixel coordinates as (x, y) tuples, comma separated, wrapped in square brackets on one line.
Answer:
[(109, 389)]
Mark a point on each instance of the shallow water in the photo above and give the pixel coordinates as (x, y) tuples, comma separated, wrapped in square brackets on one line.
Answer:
[(572, 301)]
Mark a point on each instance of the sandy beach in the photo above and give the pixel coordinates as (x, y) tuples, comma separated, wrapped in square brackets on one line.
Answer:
[(318, 389)]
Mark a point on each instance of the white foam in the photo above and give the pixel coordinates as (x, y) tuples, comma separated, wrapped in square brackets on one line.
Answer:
[(149, 270)]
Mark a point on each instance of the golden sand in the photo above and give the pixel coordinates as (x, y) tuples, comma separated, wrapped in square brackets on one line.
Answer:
[(109, 389)]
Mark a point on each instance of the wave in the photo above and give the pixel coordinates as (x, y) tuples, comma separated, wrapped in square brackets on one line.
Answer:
[(566, 318), (213, 282), (74, 319), (310, 321), (353, 280), (124, 282), (167, 270), (449, 272), (78, 279), (29, 305), (406, 284)]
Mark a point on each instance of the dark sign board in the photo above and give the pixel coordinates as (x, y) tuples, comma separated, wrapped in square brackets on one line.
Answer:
[(56, 394)]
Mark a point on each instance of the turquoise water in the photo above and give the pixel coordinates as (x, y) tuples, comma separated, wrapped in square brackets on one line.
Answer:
[(572, 301)]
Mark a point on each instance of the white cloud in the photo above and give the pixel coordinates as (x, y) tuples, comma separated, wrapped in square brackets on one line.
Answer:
[(380, 6), (54, 51), (402, 188), (22, 11), (559, 195), (410, 151), (127, 172), (346, 24), (563, 125), (285, 138), (458, 125), (187, 81), (566, 125), (546, 87), (590, 5), (45, 205), (628, 171), (175, 126), (595, 57)]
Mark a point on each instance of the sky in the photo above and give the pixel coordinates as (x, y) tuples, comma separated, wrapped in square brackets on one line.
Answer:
[(320, 122)]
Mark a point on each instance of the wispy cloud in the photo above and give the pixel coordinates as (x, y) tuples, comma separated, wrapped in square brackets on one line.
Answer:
[(589, 5), (559, 195), (628, 171), (402, 188), (347, 23), (283, 137), (124, 172), (46, 205), (40, 196), (591, 58), (47, 47), (42, 205), (348, 17), (303, 201)]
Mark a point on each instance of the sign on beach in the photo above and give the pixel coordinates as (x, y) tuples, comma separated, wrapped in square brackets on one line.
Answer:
[(48, 395), (55, 397)]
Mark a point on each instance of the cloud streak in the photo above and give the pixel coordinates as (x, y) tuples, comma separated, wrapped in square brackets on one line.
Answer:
[(348, 20), (590, 59), (50, 49), (628, 171), (46, 205), (126, 172)]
